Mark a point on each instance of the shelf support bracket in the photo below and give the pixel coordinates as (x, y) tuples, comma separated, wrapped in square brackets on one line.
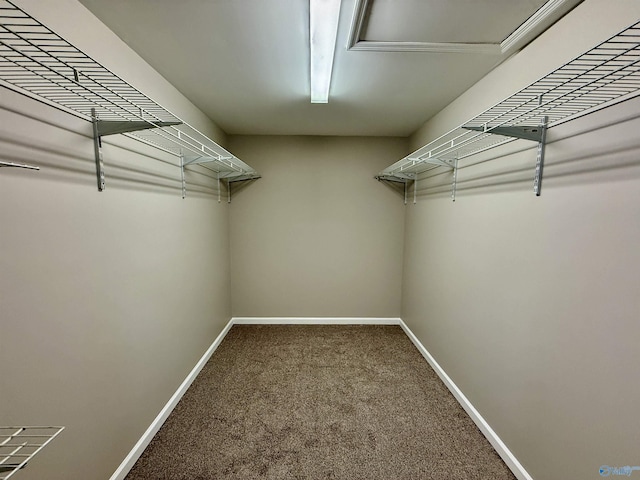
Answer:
[(533, 133), (97, 149), (198, 159), (438, 161), (537, 181), (455, 180), (112, 127), (183, 181), (415, 190)]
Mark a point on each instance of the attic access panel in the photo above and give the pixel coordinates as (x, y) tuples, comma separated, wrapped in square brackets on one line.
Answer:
[(452, 21), (495, 28)]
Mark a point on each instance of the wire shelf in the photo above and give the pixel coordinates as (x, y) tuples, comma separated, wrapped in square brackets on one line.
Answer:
[(606, 74), (37, 62), (18, 445)]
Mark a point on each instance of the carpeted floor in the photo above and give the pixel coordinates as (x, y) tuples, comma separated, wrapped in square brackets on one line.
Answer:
[(318, 402)]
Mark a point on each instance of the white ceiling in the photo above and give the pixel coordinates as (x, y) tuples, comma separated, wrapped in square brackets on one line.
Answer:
[(245, 63)]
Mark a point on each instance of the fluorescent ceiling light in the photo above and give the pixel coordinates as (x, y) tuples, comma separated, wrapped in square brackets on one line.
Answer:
[(323, 30)]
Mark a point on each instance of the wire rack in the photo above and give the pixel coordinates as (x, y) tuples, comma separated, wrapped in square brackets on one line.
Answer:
[(606, 74), (18, 445), (37, 62)]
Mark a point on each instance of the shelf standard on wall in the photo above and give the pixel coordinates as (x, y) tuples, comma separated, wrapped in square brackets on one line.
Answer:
[(36, 62), (537, 134), (607, 74)]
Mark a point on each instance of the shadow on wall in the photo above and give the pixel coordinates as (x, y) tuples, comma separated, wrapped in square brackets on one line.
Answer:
[(580, 152), (62, 146)]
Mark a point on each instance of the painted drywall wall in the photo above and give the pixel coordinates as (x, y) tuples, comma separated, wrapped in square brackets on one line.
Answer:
[(107, 300), (531, 304), (317, 236)]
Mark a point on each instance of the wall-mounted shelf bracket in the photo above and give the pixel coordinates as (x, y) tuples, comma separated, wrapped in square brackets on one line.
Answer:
[(227, 169), (399, 178), (198, 159), (97, 150), (533, 133), (537, 182), (113, 127), (454, 183), (242, 178), (409, 171), (403, 179), (438, 161), (184, 182), (102, 128), (239, 179)]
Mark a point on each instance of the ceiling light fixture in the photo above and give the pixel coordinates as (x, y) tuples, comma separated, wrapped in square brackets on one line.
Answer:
[(323, 31)]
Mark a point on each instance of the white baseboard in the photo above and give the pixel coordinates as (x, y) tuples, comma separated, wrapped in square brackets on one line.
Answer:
[(509, 459), (133, 456), (314, 321)]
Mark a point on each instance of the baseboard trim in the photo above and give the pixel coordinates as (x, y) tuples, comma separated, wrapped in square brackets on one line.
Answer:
[(509, 459), (135, 453), (314, 321)]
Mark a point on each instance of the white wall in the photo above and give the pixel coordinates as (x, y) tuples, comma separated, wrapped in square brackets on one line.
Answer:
[(107, 300), (531, 304), (317, 236)]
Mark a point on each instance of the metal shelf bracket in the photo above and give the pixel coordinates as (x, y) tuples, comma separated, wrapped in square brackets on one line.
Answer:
[(112, 127), (184, 183), (397, 178), (102, 128), (454, 184), (198, 159), (533, 133), (439, 162), (97, 150), (537, 182)]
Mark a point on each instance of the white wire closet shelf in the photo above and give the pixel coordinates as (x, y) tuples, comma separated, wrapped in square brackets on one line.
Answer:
[(606, 74), (37, 62), (18, 445)]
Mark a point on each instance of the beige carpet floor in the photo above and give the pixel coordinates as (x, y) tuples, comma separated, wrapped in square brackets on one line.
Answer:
[(318, 402)]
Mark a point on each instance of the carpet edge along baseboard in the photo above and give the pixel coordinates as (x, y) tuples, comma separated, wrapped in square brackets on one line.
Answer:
[(507, 456)]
